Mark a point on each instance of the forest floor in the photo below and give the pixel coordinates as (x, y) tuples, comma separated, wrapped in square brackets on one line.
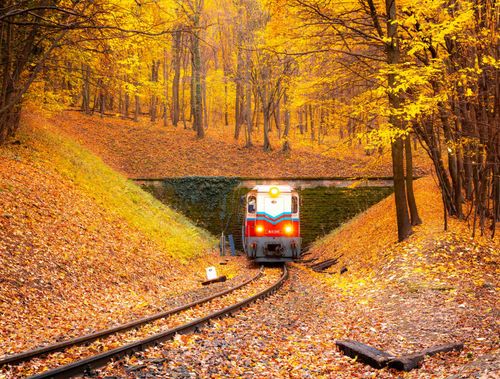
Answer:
[(145, 150), (437, 287), (82, 248)]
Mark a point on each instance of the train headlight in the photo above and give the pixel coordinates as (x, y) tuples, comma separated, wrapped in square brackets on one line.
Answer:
[(274, 191), (288, 229), (259, 229)]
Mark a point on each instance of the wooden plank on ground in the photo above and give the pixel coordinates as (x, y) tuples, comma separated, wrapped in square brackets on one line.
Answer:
[(364, 353), (379, 359), (412, 361)]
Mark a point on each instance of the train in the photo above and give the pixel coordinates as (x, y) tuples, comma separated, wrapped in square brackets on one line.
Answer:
[(271, 225)]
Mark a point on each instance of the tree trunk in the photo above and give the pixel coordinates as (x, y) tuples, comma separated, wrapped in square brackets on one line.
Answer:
[(153, 107), (403, 219), (120, 101), (196, 63), (100, 98), (392, 51), (86, 89), (176, 57), (306, 114), (277, 113), (238, 101), (311, 122), (452, 161), (267, 119), (286, 143), (165, 88), (266, 101), (204, 101), (248, 99), (137, 108), (321, 125), (301, 120), (256, 112), (412, 204), (192, 91), (185, 63), (126, 101)]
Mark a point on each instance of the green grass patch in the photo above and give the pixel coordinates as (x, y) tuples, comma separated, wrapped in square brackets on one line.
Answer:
[(120, 197)]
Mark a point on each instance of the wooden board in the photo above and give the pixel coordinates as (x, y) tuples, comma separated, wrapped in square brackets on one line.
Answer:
[(379, 359), (364, 353), (412, 361)]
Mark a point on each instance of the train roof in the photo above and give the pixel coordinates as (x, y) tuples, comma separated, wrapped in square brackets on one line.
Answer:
[(267, 187)]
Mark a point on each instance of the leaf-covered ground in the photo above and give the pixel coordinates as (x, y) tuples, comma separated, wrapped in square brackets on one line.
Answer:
[(293, 333), (81, 248), (438, 287), (119, 339), (143, 150)]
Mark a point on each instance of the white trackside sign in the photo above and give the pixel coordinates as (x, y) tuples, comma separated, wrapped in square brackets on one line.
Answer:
[(211, 273)]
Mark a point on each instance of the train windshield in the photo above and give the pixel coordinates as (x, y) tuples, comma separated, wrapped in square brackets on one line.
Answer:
[(252, 204), (295, 204)]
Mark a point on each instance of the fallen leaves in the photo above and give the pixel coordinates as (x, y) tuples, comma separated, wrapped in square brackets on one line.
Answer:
[(401, 300), (436, 287), (144, 150), (69, 266), (119, 339)]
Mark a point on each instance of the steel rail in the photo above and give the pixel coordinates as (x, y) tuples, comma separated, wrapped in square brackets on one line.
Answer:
[(37, 352), (85, 365)]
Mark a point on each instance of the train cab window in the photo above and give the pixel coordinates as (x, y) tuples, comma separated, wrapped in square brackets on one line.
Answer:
[(295, 204), (252, 204)]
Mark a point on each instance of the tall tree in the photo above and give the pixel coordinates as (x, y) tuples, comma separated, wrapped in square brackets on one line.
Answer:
[(397, 146), (176, 63), (197, 100)]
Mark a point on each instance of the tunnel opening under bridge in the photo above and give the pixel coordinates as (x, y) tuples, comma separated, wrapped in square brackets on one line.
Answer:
[(214, 203)]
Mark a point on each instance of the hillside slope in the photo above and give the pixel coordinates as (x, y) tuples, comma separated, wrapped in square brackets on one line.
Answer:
[(368, 243), (80, 246), (436, 287), (145, 150)]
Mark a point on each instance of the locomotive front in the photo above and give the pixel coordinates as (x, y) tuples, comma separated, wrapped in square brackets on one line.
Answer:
[(271, 230)]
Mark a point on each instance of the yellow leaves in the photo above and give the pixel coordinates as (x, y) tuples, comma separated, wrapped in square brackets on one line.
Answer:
[(434, 23), (417, 47), (491, 61), (49, 101), (185, 339), (133, 293), (141, 304)]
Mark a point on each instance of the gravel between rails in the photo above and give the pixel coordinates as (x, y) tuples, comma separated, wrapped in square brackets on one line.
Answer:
[(268, 339)]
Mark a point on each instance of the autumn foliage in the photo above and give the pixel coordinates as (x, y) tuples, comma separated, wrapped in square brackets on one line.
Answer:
[(81, 247), (379, 72), (95, 92), (151, 151)]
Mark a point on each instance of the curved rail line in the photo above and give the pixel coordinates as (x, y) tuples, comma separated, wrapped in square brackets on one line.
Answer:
[(85, 365), (38, 352)]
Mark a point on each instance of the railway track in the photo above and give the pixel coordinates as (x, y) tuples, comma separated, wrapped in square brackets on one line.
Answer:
[(81, 366)]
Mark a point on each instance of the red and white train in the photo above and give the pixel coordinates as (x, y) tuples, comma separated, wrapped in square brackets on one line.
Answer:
[(271, 228)]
